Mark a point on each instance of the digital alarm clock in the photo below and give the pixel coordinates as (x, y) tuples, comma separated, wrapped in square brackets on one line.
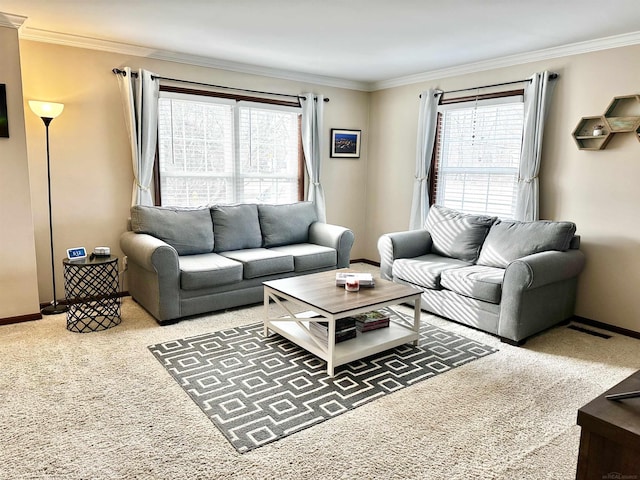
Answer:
[(76, 253)]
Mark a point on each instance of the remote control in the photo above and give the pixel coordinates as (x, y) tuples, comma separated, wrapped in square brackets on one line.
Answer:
[(622, 396)]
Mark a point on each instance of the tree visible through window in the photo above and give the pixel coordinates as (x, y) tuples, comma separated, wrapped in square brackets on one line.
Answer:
[(217, 150), (477, 156)]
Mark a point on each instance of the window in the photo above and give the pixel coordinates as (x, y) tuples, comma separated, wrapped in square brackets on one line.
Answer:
[(219, 150), (477, 155)]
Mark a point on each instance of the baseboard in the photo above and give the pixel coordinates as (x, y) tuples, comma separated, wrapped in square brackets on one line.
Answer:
[(64, 301), (606, 326), (364, 260), (20, 318)]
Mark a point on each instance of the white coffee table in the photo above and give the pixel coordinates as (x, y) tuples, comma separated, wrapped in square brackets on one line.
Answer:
[(327, 303)]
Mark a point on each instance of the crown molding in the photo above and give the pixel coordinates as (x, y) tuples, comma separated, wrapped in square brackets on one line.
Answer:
[(11, 21), (79, 41), (605, 43), (258, 70)]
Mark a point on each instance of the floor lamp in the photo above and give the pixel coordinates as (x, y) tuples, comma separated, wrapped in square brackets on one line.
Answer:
[(47, 111)]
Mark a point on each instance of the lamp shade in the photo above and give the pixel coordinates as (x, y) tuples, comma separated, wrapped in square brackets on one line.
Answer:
[(46, 109)]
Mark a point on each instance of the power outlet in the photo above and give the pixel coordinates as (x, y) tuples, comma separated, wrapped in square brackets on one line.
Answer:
[(125, 262)]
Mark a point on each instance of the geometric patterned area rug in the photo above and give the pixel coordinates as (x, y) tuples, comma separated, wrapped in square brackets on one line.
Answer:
[(257, 390)]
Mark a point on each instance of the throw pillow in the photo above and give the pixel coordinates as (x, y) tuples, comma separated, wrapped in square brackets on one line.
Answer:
[(510, 240), (456, 234), (235, 227), (286, 224), (188, 230)]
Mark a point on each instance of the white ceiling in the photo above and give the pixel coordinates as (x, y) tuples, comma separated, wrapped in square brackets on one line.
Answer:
[(365, 42)]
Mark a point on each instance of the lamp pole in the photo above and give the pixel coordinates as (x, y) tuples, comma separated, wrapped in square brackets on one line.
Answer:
[(47, 112)]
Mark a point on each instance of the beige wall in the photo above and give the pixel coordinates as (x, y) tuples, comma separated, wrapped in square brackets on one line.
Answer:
[(91, 165), (18, 287), (91, 170), (597, 190)]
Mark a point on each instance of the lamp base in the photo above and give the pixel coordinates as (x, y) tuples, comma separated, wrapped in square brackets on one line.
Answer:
[(54, 309)]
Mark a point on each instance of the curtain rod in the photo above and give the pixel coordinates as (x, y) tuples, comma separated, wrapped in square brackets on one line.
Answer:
[(298, 97), (552, 76)]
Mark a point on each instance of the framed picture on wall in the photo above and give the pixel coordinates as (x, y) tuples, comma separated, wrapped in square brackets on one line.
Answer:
[(345, 143), (4, 118)]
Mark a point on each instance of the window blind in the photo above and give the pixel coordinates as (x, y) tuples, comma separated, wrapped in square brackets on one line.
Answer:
[(213, 150), (195, 152), (268, 155), (477, 156)]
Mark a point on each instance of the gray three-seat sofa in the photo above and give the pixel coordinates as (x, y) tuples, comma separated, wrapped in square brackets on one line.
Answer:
[(188, 261)]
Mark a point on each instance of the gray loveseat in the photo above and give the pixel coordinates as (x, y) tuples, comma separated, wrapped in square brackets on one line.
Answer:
[(511, 279), (187, 261)]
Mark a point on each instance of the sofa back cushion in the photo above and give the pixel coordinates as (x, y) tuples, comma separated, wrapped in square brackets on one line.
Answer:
[(235, 227), (188, 230), (286, 224), (510, 240), (455, 234)]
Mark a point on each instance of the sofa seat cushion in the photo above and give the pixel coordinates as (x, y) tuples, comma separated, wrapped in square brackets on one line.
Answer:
[(208, 270), (188, 230), (476, 281), (259, 262), (455, 234), (307, 256), (510, 240), (235, 227), (425, 270)]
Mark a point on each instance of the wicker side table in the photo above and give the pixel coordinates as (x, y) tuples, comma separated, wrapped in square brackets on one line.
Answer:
[(91, 289)]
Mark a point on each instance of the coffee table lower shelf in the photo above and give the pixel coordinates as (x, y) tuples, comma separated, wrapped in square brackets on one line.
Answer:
[(364, 345)]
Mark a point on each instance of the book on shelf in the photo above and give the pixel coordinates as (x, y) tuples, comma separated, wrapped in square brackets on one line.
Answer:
[(341, 324), (372, 320), (365, 327), (365, 279), (340, 336), (345, 329), (372, 316)]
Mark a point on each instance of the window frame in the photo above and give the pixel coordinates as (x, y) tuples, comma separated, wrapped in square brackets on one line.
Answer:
[(433, 168), (239, 100)]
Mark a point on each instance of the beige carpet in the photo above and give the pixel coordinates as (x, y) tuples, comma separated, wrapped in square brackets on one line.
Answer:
[(100, 406)]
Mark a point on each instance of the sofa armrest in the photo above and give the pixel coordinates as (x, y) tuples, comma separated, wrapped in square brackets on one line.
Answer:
[(539, 269), (153, 274), (148, 252), (407, 244), (333, 236), (538, 291)]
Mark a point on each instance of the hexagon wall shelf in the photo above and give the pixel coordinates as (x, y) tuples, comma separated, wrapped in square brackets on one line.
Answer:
[(622, 116)]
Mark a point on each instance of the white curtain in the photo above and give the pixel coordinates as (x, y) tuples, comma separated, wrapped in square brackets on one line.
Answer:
[(312, 114), (427, 120), (537, 98), (140, 101)]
